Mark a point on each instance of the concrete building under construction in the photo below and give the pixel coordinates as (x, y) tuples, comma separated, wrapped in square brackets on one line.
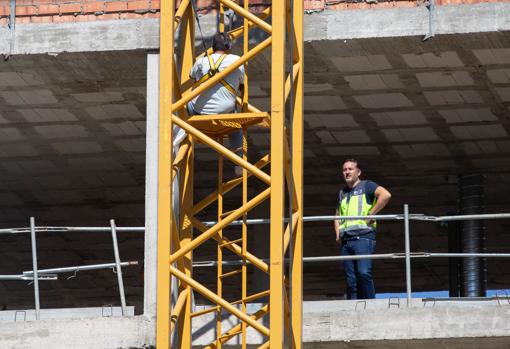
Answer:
[(125, 222)]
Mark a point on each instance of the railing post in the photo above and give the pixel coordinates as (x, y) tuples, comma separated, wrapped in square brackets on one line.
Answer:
[(34, 266), (408, 254), (118, 267)]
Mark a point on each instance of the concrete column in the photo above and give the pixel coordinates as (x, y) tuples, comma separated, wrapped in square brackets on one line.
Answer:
[(151, 186)]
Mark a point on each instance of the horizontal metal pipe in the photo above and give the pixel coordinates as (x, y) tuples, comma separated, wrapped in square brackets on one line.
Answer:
[(28, 278), (80, 268), (417, 217), (472, 217), (70, 229), (461, 255), (367, 256)]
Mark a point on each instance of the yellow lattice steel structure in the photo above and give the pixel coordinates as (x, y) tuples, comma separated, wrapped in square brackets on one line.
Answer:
[(180, 232)]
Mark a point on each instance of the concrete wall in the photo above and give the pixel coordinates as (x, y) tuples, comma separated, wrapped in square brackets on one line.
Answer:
[(332, 324), (132, 34)]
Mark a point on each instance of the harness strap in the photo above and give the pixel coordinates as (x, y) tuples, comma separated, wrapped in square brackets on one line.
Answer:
[(213, 70)]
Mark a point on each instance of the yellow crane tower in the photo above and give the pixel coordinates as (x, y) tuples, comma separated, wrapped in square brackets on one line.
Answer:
[(180, 232)]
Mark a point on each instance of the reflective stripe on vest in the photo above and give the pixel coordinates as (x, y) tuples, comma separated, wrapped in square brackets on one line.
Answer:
[(213, 70), (355, 205)]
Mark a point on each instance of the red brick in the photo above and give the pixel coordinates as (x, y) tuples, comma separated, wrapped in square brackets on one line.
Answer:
[(26, 10), (4, 11), (48, 9), (314, 4), (116, 6), (70, 8), (23, 2), (130, 16), (23, 20), (109, 16), (38, 2), (86, 18), (93, 7), (407, 4), (155, 4), (41, 19), (64, 18), (138, 5)]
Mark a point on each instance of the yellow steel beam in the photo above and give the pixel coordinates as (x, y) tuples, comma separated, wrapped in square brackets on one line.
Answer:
[(277, 176), (288, 233), (247, 15), (176, 244), (234, 330), (266, 345), (287, 169), (183, 6), (177, 309), (286, 166), (221, 149), (185, 236), (295, 71), (236, 33), (204, 291), (247, 300), (187, 53), (227, 186), (296, 262), (259, 263), (219, 274), (220, 225), (165, 214), (227, 117), (244, 244), (179, 157)]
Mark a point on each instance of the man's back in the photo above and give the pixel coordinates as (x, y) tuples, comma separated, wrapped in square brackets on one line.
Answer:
[(218, 99)]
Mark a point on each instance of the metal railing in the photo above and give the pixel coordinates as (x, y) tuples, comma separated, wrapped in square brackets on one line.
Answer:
[(407, 254), (35, 275)]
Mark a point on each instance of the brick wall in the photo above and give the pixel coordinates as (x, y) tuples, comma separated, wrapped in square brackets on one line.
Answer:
[(59, 11)]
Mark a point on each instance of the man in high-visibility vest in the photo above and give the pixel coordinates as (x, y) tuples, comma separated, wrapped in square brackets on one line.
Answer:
[(357, 237), (220, 98)]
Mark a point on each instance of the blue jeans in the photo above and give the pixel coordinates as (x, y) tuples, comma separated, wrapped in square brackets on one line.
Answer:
[(358, 273)]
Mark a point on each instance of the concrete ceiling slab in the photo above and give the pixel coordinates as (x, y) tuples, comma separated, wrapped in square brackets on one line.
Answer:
[(72, 141)]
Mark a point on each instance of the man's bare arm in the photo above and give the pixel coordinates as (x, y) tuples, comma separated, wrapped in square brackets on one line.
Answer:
[(337, 227), (383, 196)]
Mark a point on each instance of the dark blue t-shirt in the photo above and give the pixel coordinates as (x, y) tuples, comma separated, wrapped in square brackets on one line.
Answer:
[(367, 187)]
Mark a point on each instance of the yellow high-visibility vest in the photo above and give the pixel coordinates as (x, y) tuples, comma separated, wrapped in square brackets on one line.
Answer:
[(355, 203)]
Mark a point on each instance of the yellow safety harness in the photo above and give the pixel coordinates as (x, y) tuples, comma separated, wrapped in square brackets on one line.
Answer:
[(213, 70)]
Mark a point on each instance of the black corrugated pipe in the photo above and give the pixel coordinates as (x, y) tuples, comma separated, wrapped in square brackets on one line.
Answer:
[(454, 264), (474, 270)]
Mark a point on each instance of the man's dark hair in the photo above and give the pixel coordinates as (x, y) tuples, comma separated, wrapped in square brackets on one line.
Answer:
[(351, 160), (221, 42)]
